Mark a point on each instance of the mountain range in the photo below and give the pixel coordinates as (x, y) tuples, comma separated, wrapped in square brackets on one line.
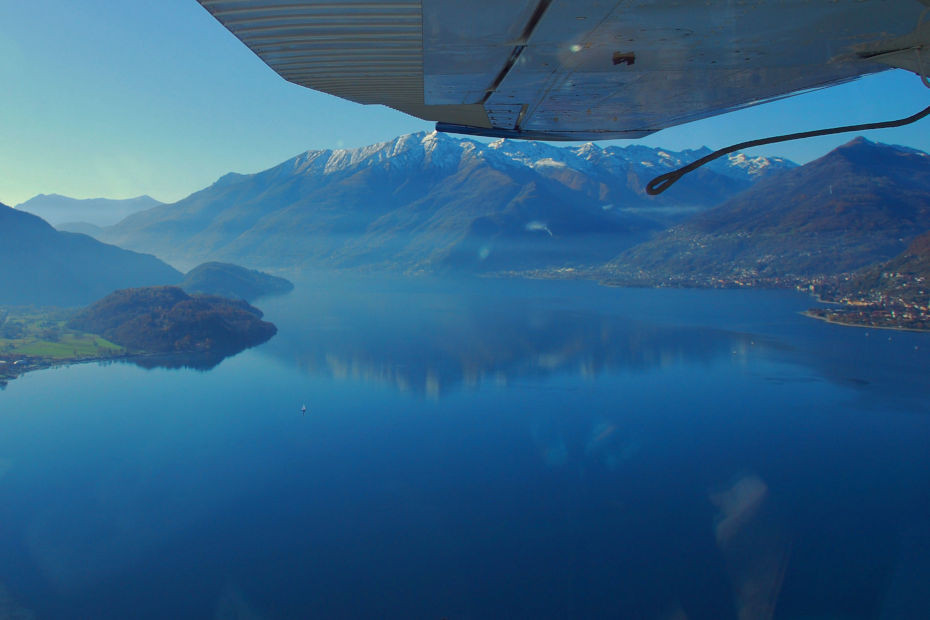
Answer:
[(860, 204), (76, 215), (430, 202), (44, 266)]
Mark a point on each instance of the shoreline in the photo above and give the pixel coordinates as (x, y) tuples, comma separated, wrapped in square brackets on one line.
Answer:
[(811, 315), (35, 365), (47, 364)]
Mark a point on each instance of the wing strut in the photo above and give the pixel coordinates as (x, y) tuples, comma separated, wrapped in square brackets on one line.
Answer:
[(518, 49)]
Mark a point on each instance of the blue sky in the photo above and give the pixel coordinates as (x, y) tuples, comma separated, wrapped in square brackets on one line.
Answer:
[(116, 99)]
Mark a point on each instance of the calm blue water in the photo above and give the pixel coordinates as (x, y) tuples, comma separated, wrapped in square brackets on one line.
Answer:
[(497, 449)]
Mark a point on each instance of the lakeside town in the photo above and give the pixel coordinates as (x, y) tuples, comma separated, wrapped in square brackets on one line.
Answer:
[(902, 301)]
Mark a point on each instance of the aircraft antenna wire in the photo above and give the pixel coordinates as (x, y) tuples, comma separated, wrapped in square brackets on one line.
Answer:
[(664, 181)]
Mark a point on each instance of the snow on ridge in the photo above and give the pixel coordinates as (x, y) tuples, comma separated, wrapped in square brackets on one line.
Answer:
[(311, 161), (525, 150), (589, 151), (754, 166), (443, 151), (436, 147), (440, 150), (588, 158), (343, 159), (551, 163)]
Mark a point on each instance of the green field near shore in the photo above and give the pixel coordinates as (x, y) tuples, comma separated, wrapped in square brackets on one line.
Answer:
[(41, 333)]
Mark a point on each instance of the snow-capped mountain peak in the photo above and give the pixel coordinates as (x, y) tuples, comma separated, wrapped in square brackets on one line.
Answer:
[(440, 151)]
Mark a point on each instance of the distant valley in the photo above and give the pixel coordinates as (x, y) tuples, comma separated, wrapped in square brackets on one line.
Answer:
[(44, 266), (83, 215)]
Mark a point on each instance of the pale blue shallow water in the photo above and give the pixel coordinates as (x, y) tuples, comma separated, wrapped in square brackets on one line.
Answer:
[(480, 450)]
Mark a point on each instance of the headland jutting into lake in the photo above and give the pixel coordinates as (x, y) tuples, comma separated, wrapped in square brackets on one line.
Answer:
[(141, 324)]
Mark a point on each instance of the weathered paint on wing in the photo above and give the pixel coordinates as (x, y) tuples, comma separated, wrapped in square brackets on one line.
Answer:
[(574, 69)]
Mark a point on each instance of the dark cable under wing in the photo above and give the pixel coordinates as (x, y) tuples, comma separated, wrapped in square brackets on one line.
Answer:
[(664, 181)]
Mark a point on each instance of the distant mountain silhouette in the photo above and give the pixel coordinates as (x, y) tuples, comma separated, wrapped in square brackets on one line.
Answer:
[(81, 227), (233, 281), (861, 203), (64, 212), (430, 202), (42, 266)]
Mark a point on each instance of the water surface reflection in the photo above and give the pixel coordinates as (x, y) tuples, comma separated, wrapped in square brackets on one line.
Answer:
[(430, 337), (431, 343), (590, 453)]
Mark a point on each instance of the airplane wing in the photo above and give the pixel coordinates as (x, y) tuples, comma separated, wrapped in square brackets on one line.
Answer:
[(574, 69)]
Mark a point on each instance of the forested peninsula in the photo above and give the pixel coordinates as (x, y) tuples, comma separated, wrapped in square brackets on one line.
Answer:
[(132, 324)]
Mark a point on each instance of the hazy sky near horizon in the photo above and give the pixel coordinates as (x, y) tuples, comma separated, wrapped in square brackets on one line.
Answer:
[(107, 98)]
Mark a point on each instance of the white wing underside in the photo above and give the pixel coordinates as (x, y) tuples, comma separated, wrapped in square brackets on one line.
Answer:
[(574, 69)]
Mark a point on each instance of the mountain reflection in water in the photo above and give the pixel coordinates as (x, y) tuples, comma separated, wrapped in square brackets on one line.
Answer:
[(482, 449), (460, 339), (199, 360), (429, 336)]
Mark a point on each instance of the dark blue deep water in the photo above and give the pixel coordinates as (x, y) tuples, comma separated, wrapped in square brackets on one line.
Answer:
[(491, 449)]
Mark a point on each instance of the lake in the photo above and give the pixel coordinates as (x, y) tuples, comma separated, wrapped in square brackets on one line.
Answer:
[(482, 449)]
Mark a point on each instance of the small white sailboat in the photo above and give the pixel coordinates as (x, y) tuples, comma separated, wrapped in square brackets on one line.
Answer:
[(303, 408)]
